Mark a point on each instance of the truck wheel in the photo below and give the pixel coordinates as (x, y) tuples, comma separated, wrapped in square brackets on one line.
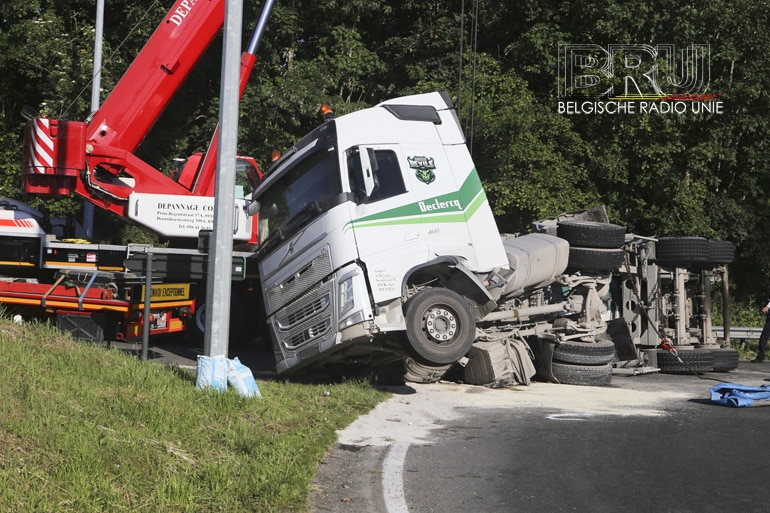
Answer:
[(725, 359), (439, 326), (237, 329), (681, 251), (695, 361), (591, 375), (417, 372), (592, 234), (720, 252), (594, 259), (198, 326), (585, 353)]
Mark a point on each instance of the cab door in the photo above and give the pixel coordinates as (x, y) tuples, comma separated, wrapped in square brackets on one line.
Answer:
[(387, 223)]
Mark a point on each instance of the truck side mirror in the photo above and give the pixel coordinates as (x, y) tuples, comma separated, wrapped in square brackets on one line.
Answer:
[(252, 208)]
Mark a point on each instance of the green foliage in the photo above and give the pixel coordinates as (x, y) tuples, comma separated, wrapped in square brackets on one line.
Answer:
[(742, 313), (531, 160), (703, 175)]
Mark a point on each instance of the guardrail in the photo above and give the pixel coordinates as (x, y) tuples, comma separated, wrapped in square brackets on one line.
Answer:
[(739, 332)]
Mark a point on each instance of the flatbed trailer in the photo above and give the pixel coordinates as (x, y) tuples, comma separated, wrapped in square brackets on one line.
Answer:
[(100, 306), (84, 289)]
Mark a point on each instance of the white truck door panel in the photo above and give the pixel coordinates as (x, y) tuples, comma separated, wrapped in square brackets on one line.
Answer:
[(387, 224)]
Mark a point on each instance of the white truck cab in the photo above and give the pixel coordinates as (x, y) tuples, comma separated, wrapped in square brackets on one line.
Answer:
[(377, 240)]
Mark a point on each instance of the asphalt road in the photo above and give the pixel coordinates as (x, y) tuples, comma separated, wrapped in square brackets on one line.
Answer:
[(646, 443), (173, 351)]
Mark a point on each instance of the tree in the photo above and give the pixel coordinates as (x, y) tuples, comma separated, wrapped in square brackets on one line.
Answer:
[(658, 174), (530, 159)]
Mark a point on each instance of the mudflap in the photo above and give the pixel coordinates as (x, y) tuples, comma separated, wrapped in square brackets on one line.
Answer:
[(544, 360), (90, 327)]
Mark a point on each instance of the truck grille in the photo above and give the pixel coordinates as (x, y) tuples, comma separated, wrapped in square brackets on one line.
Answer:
[(307, 319), (305, 312), (308, 334), (282, 293)]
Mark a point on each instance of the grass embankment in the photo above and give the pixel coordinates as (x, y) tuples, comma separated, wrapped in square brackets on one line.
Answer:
[(83, 428)]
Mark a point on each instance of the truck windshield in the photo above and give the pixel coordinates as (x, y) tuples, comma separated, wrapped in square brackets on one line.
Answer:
[(311, 186)]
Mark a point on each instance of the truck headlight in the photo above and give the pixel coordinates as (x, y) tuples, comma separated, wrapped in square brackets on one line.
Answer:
[(347, 298)]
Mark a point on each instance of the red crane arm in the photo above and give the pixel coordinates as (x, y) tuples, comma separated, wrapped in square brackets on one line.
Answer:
[(149, 84), (96, 159)]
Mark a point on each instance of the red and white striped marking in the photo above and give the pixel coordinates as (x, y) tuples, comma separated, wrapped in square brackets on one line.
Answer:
[(18, 223), (26, 226), (41, 146)]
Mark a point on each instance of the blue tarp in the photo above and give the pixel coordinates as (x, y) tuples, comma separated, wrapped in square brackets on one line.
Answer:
[(735, 395)]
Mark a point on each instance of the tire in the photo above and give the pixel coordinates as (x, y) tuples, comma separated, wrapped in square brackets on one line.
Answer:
[(585, 353), (439, 326), (594, 259), (589, 375), (695, 361), (592, 234), (238, 328), (725, 359), (681, 251), (721, 252), (196, 327), (417, 372)]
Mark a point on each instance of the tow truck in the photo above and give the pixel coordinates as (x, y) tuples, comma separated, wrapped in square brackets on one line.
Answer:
[(96, 159), (82, 288)]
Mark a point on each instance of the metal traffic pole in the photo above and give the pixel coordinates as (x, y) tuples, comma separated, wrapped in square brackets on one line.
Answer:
[(215, 341), (96, 85), (147, 301)]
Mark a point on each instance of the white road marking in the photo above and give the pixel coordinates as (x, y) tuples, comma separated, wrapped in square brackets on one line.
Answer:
[(570, 416), (393, 478)]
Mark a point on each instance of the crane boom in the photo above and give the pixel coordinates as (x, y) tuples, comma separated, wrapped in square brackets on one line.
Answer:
[(95, 159), (152, 79)]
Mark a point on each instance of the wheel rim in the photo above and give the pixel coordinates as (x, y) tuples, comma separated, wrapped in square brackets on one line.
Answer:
[(440, 324)]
